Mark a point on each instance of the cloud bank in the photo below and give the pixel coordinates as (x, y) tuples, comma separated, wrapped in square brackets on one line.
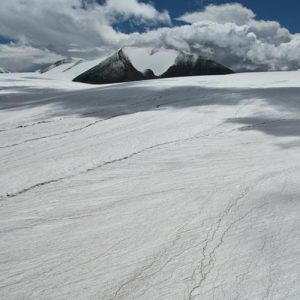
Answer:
[(22, 57), (228, 33)]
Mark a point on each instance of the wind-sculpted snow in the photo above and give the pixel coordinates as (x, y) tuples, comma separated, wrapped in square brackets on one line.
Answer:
[(183, 188)]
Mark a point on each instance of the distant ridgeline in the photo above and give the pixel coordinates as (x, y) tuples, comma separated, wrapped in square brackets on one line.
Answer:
[(132, 64), (3, 70)]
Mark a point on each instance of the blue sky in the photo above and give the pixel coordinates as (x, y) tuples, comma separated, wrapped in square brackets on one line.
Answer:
[(286, 12), (245, 35)]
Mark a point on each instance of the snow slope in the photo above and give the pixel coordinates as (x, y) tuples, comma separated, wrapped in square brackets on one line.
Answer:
[(70, 70), (158, 60), (183, 188)]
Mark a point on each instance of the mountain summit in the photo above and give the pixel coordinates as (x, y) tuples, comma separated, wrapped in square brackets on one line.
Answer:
[(116, 68), (132, 64)]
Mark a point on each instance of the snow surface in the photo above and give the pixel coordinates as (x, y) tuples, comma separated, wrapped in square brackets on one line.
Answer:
[(158, 60), (69, 71), (184, 188)]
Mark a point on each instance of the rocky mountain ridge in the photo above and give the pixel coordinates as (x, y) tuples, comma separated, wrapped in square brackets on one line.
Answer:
[(119, 68)]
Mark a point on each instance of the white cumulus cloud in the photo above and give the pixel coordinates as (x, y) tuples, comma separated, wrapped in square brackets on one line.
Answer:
[(228, 33), (233, 13), (59, 24), (232, 35), (22, 57)]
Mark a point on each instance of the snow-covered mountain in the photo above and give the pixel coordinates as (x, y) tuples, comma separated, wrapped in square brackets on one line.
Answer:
[(193, 65), (62, 62), (69, 68), (116, 68), (132, 64)]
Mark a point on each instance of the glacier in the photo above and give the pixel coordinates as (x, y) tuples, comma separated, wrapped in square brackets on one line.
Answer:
[(179, 188)]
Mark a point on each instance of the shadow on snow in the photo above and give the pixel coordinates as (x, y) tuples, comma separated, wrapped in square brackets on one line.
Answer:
[(108, 101)]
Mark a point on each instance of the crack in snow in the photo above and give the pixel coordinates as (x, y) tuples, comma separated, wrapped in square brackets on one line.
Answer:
[(103, 164), (208, 260), (163, 256), (31, 124), (52, 135)]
